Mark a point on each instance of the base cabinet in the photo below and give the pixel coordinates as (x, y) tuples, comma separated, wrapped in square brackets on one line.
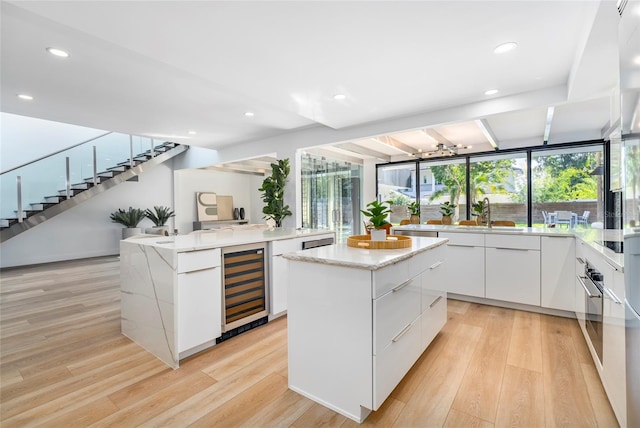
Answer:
[(558, 260), (201, 323), (513, 268), (467, 250), (366, 328)]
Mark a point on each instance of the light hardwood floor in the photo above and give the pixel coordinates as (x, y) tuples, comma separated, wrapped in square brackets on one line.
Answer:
[(63, 362)]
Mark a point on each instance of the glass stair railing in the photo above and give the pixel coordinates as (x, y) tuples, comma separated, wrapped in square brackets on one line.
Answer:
[(45, 187)]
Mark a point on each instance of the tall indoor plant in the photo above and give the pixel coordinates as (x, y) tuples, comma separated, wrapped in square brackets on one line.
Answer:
[(273, 196), (129, 219)]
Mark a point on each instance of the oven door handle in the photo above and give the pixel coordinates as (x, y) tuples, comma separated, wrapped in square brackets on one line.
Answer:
[(586, 289), (611, 295)]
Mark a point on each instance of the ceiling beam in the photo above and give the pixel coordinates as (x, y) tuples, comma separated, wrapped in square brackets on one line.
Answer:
[(355, 148), (438, 137), (392, 142), (484, 126)]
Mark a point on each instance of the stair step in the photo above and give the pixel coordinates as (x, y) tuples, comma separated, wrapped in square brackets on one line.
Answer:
[(82, 186), (101, 179), (41, 206), (54, 199), (119, 168), (72, 192)]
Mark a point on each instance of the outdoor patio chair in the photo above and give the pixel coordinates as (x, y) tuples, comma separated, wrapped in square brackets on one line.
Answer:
[(564, 217), (584, 218)]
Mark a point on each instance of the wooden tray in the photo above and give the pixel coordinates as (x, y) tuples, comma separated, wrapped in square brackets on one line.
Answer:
[(365, 242)]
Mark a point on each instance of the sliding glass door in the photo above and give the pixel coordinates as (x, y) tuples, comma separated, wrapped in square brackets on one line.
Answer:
[(331, 195)]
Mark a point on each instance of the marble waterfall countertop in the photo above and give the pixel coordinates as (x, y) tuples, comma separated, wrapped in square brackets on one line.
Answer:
[(592, 237), (206, 239), (343, 255)]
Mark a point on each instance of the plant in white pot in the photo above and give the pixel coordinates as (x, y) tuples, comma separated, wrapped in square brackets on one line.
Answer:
[(159, 216), (129, 219), (378, 225)]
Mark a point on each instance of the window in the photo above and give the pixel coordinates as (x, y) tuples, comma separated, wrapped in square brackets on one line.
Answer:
[(442, 181), (502, 179), (568, 181), (397, 183)]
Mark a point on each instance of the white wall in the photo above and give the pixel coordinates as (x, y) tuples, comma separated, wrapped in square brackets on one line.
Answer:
[(188, 182), (85, 230)]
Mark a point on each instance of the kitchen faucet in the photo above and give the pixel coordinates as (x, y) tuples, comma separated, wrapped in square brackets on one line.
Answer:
[(486, 211)]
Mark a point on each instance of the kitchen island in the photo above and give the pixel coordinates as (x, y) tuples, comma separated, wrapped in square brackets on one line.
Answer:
[(358, 319), (172, 288)]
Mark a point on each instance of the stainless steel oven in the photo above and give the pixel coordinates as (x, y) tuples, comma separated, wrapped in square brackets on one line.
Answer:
[(593, 285)]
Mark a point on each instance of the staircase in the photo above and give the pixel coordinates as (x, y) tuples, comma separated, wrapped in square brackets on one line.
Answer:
[(77, 193)]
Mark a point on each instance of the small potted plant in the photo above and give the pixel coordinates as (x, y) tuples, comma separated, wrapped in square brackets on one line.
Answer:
[(477, 210), (378, 225), (447, 210), (159, 216), (129, 219), (414, 210)]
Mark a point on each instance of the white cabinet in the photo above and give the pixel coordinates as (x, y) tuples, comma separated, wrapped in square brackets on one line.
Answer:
[(513, 268), (464, 270), (278, 270), (580, 307), (613, 346), (199, 312), (363, 327), (557, 286)]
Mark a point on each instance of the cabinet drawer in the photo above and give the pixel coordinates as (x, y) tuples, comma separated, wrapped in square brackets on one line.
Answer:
[(390, 366), (425, 260), (394, 311), (516, 242), (284, 246), (465, 239), (197, 260), (433, 318), (389, 277)]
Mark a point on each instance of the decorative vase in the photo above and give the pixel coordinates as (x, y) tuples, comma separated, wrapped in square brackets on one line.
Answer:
[(378, 235), (414, 219), (236, 214), (241, 213), (128, 232), (446, 219), (157, 230)]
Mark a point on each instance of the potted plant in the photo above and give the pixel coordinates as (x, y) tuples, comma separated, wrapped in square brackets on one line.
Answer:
[(447, 210), (273, 196), (129, 219), (414, 210), (378, 225), (159, 216), (477, 210)]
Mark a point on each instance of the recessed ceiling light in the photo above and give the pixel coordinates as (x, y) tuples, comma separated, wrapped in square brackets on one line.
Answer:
[(491, 92), (58, 52), (249, 113), (636, 60), (505, 47), (192, 132), (339, 97), (25, 97)]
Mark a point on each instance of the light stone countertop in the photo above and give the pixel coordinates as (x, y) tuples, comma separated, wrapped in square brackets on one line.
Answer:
[(207, 239), (589, 236), (343, 255)]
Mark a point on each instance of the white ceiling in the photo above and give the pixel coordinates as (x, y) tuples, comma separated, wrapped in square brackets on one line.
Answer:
[(164, 68)]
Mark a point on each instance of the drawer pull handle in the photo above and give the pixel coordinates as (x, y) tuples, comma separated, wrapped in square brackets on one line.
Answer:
[(512, 249), (401, 286), (586, 289), (402, 333), (435, 301), (580, 260), (435, 265), (611, 295)]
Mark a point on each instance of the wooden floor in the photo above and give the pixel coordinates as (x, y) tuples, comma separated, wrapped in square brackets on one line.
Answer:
[(64, 363)]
